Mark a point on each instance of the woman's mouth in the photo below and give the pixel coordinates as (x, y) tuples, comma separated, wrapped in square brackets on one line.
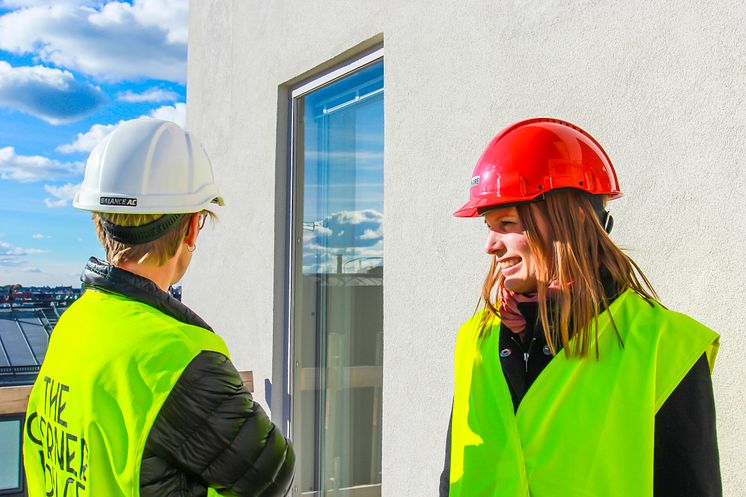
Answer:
[(509, 266)]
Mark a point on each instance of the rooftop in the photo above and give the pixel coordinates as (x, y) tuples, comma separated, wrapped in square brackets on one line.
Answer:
[(24, 336)]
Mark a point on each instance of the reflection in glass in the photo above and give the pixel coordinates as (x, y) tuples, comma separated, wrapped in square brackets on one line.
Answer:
[(338, 282)]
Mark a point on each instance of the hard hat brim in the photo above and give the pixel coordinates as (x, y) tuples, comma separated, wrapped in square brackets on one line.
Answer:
[(153, 204), (473, 206)]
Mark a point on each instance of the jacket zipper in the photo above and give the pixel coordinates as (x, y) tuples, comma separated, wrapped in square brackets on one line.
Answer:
[(526, 353)]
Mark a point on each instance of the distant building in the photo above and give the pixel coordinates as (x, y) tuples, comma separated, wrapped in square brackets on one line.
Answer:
[(30, 297)]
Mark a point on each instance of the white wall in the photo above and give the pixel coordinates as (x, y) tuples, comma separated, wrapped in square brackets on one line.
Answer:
[(660, 84)]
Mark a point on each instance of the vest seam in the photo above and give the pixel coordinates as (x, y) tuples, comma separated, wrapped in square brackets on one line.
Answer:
[(156, 408), (160, 407), (680, 374)]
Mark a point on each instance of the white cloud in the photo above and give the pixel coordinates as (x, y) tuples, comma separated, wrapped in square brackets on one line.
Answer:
[(155, 95), (6, 249), (41, 272), (114, 41), (63, 195), (10, 261), (11, 4), (170, 16), (49, 94), (175, 113), (39, 236), (85, 142), (355, 236), (372, 234), (28, 168), (15, 259)]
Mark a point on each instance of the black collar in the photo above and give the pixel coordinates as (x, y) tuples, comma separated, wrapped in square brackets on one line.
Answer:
[(104, 276)]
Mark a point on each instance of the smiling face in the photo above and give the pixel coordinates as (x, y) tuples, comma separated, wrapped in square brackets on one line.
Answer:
[(507, 241)]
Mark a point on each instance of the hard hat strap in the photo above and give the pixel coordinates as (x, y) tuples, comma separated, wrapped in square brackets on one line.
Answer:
[(137, 235), (604, 217)]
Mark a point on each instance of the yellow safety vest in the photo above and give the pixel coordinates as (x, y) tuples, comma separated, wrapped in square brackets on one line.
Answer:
[(110, 365), (585, 428)]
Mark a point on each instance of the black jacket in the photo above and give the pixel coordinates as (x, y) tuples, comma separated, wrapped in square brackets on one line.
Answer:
[(209, 432), (686, 462)]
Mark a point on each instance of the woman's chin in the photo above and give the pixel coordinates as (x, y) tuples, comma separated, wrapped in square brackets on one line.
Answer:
[(516, 285)]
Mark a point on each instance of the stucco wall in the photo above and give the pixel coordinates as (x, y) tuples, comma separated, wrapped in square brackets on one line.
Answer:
[(660, 84)]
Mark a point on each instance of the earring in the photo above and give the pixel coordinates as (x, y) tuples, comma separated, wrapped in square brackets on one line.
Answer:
[(191, 248)]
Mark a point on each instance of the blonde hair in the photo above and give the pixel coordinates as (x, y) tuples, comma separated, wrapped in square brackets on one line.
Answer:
[(156, 252), (571, 261)]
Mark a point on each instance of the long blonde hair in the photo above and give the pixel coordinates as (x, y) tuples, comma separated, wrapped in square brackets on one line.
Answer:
[(571, 261)]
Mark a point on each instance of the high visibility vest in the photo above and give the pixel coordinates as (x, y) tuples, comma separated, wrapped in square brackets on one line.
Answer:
[(110, 365), (585, 428)]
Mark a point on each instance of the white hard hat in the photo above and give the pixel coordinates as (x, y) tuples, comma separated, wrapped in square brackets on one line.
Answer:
[(148, 166)]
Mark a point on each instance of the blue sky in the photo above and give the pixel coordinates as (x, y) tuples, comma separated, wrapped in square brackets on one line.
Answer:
[(70, 70)]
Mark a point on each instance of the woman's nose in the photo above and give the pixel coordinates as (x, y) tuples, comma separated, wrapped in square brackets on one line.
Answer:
[(494, 244)]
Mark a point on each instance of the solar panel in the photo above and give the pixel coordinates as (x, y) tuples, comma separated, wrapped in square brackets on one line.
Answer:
[(15, 344), (36, 336), (23, 344)]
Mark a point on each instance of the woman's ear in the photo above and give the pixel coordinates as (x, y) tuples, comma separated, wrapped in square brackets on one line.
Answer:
[(193, 229)]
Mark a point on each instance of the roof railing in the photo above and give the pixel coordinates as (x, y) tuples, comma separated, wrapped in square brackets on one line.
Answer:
[(13, 370)]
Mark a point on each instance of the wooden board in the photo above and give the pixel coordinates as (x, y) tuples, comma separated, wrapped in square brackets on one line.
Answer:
[(14, 400), (343, 378), (248, 379)]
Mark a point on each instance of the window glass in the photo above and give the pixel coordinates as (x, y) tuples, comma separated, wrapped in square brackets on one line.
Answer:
[(338, 286), (10, 454)]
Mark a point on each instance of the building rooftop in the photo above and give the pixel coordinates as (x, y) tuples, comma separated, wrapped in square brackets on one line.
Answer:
[(24, 336)]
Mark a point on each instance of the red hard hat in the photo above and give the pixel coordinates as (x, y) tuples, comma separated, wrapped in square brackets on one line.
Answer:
[(535, 156)]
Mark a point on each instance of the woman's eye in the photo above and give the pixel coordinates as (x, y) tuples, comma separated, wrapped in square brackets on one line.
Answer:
[(501, 225)]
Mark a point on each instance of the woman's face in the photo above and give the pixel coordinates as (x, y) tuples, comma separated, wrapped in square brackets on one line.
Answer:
[(507, 241)]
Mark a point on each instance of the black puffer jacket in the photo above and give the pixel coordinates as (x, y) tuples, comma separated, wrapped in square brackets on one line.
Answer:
[(209, 432)]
